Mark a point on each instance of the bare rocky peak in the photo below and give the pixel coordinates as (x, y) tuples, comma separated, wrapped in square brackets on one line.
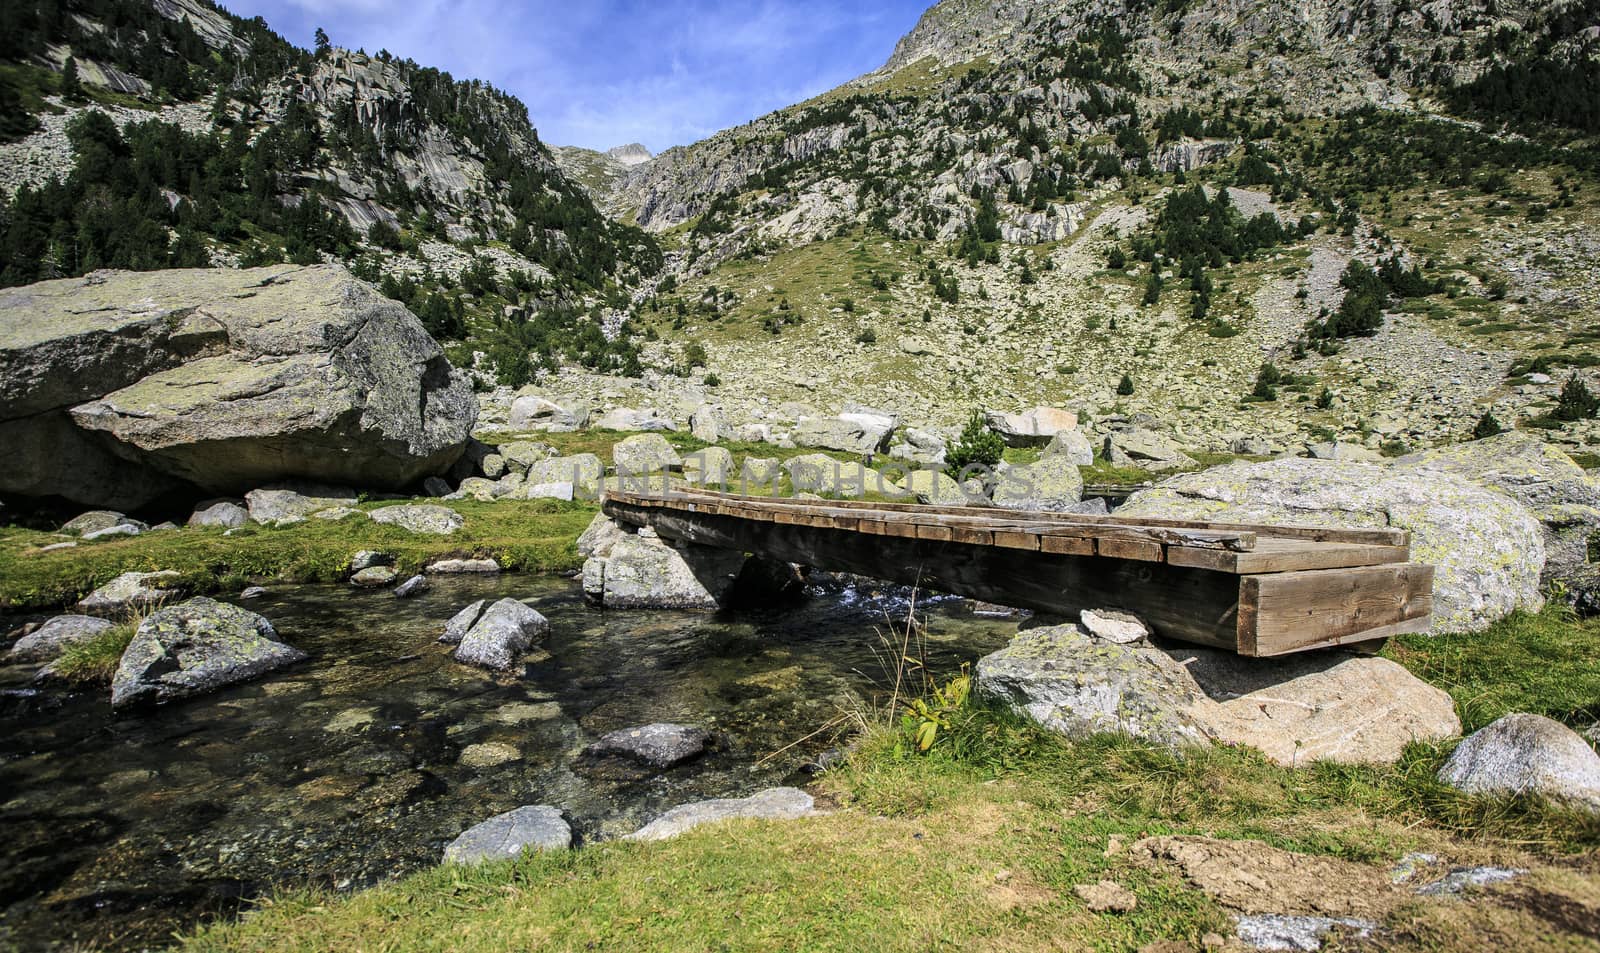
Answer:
[(631, 154)]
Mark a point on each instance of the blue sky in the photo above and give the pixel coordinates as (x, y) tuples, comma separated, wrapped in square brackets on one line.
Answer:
[(600, 73)]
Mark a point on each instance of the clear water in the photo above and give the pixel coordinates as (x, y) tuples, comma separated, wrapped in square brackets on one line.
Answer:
[(361, 764)]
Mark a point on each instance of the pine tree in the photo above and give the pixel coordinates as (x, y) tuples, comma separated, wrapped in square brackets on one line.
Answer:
[(1487, 426), (1577, 402), (323, 44), (71, 88), (978, 447), (1125, 386)]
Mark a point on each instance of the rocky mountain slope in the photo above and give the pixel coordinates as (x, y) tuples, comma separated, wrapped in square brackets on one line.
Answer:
[(987, 221)]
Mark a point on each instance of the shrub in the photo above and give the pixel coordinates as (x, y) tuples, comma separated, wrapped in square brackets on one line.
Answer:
[(1577, 402), (977, 446), (1487, 426), (867, 336), (1125, 386)]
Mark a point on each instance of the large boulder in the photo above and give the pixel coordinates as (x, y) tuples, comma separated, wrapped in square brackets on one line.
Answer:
[(645, 453), (284, 504), (1052, 483), (583, 471), (626, 418), (134, 384), (195, 647), (932, 487), (1146, 450), (643, 572), (505, 836), (1071, 444), (532, 412), (56, 636), (820, 473), (709, 467), (1033, 428), (1527, 754), (1334, 706), (851, 433), (427, 518), (220, 513), (709, 423), (600, 536), (1564, 496), (1487, 549)]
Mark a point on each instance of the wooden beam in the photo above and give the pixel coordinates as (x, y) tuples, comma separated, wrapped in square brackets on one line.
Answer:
[(1292, 611)]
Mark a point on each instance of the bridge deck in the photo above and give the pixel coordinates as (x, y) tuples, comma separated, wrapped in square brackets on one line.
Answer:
[(1255, 589)]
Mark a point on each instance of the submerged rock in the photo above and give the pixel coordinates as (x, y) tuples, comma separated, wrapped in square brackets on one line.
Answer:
[(660, 745), (497, 637), (1527, 754), (48, 641), (374, 577), (771, 804), (196, 647), (415, 586), (504, 836)]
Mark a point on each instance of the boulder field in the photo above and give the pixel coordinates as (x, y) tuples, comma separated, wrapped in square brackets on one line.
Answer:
[(118, 388)]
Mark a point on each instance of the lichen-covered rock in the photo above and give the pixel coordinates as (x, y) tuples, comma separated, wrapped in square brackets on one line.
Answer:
[(284, 504), (583, 471), (1146, 450), (56, 636), (1071, 444), (195, 647), (461, 623), (1527, 754), (771, 804), (850, 433), (224, 513), (505, 836), (1069, 682), (708, 467), (498, 636), (643, 454), (1487, 549), (221, 379), (132, 590), (659, 745), (1325, 706), (709, 423), (641, 573), (96, 521), (1052, 483), (532, 412), (820, 473), (1564, 496), (931, 487), (600, 535), (374, 577), (759, 472), (1032, 428), (429, 518)]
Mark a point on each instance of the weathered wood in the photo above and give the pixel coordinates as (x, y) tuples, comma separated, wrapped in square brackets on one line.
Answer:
[(1291, 611), (1288, 555)]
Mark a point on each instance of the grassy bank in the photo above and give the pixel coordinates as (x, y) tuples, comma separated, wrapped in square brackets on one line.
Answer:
[(980, 843), (530, 536)]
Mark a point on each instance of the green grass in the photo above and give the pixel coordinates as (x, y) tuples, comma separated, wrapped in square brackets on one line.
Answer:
[(95, 661), (530, 536), (978, 844)]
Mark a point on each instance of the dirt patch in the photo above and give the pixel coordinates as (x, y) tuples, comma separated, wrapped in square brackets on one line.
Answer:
[(1563, 913), (1252, 877)]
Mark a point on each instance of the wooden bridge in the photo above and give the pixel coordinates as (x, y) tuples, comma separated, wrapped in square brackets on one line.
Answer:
[(1255, 590)]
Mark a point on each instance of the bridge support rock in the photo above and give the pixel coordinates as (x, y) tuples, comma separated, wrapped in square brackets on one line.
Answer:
[(645, 572)]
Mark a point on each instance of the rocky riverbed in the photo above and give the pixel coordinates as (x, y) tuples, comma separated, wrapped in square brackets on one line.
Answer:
[(364, 762)]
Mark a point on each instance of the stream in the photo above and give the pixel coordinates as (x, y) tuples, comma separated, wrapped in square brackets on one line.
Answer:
[(361, 764)]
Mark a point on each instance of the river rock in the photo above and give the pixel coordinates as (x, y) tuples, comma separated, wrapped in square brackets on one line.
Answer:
[(195, 647), (1032, 428), (532, 412), (1146, 450), (367, 558), (646, 573), (221, 379), (709, 467), (291, 503), (659, 745), (429, 518), (415, 586), (1487, 549), (771, 804), (96, 521), (1527, 754), (457, 567), (1332, 705), (505, 836), (600, 536), (461, 623), (1071, 444), (132, 590), (224, 513), (645, 453), (501, 634), (1052, 483), (850, 433), (374, 577), (48, 641)]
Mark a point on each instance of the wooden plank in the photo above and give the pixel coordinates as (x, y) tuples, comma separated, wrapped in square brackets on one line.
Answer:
[(1117, 548), (1291, 611), (1288, 555), (1371, 536), (1007, 539), (1066, 545)]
